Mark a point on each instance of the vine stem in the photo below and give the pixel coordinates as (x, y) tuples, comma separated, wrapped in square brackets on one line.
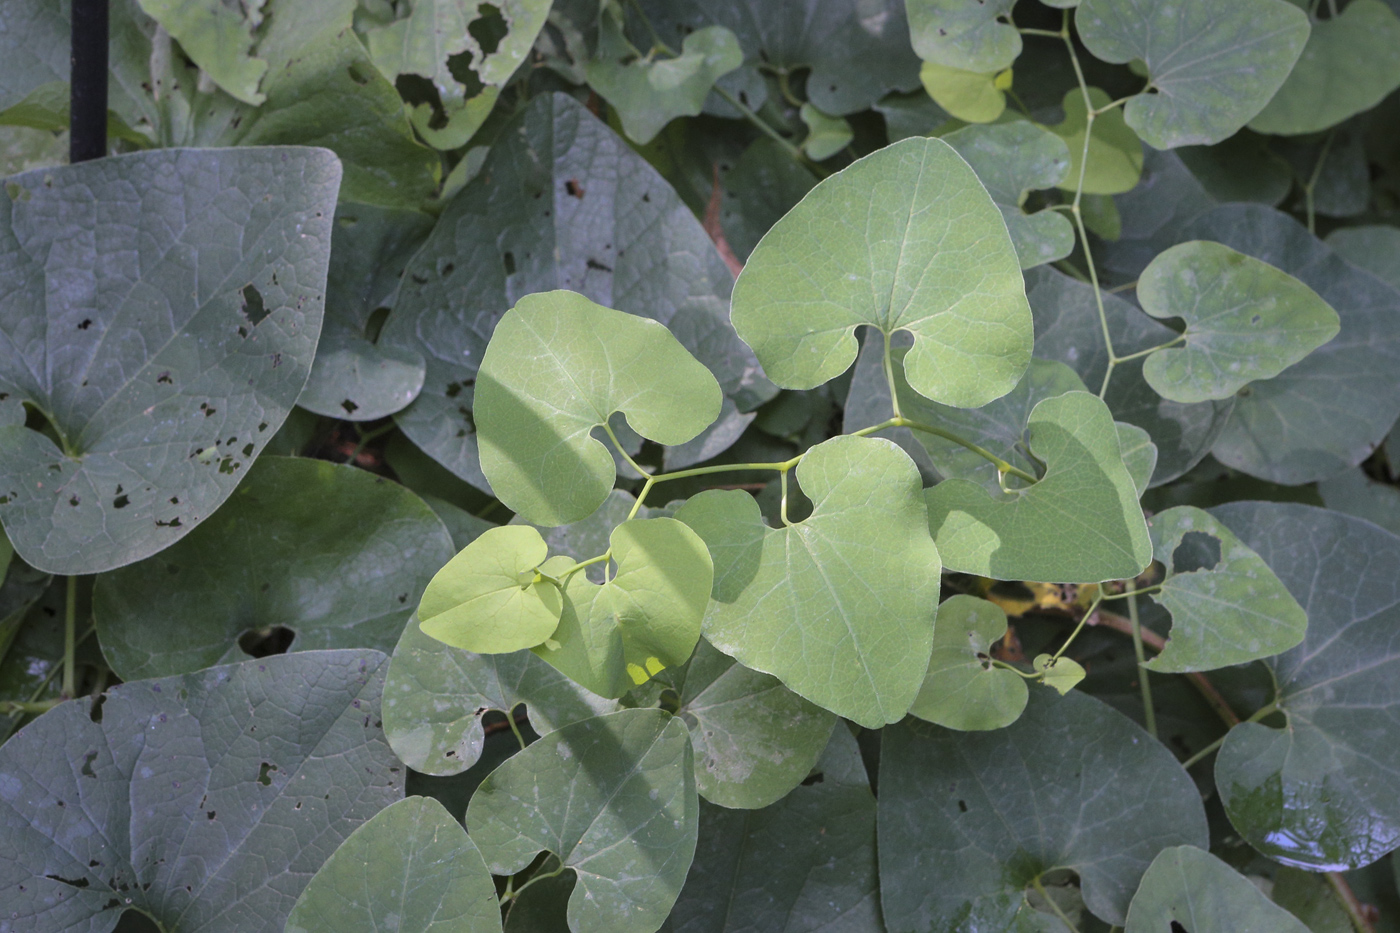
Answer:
[(1040, 889), (70, 640), (511, 895), (1312, 182), (889, 378), (1355, 910), (510, 717), (1149, 712), (1083, 620)]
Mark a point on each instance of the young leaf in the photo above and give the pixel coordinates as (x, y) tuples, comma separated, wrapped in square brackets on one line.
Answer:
[(159, 415), (962, 690), (806, 862), (839, 607), (1245, 320), (205, 801), (974, 96), (1211, 68), (968, 820), (1190, 889), (971, 37), (754, 739), (411, 868), (1062, 674), (1322, 794), (492, 598), (557, 367), (334, 554), (1012, 159), (904, 239), (1350, 62), (1115, 153), (1227, 606), (826, 135), (612, 798), (1086, 500)]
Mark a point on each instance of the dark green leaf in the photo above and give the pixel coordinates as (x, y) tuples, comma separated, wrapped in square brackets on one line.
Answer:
[(1374, 248), (1355, 493), (1189, 889), (967, 36)]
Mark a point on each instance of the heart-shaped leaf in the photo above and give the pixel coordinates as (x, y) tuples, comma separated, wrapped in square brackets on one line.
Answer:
[(904, 239), (962, 690), (644, 619), (612, 798), (1245, 320), (205, 801), (1115, 153), (411, 869), (558, 367), (1012, 159), (159, 415), (1060, 674), (1322, 794), (839, 607), (970, 820), (336, 555), (969, 36), (1086, 500), (435, 697), (826, 135), (1227, 606), (491, 598), (1211, 68), (1189, 889), (1139, 454), (754, 739), (974, 96)]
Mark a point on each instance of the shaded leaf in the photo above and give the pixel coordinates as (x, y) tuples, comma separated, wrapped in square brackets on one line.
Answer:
[(1188, 888), (761, 187), (160, 414), (1115, 153), (1355, 493), (962, 690), (826, 135), (1242, 168), (1374, 248), (972, 37)]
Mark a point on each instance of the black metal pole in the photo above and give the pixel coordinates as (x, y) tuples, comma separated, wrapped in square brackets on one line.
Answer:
[(87, 108)]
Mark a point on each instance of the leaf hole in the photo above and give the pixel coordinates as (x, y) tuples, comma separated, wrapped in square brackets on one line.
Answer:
[(71, 882), (349, 406), (1178, 928), (1256, 319), (210, 814), (264, 642), (489, 28), (87, 322), (962, 806), (253, 308), (574, 189), (360, 76), (88, 759), (1197, 551), (265, 773), (508, 259), (816, 777)]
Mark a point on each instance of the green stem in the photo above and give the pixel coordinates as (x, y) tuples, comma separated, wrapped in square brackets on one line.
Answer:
[(1205, 752), (1123, 288), (1083, 620), (1149, 712), (367, 436), (20, 707), (763, 127), (539, 876), (1343, 892), (1048, 33), (1312, 182), (889, 378), (510, 717), (1014, 669), (1145, 591), (606, 555), (624, 454), (782, 502), (1069, 924), (70, 640), (1001, 465)]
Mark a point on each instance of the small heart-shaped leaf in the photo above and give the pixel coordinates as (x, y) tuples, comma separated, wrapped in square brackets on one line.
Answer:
[(962, 690)]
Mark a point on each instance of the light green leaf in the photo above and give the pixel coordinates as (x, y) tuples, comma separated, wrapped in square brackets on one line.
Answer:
[(839, 607), (962, 690), (204, 801), (968, 820), (1012, 159), (410, 869), (220, 39), (613, 798), (1374, 248), (1139, 454), (160, 414), (1115, 152), (1245, 320), (974, 96), (1322, 794), (1063, 674), (650, 92), (1349, 64), (557, 367), (23, 149), (1211, 66), (334, 555), (435, 697), (1355, 493), (1086, 499), (803, 864), (589, 537), (1227, 606), (492, 598), (965, 35), (645, 619), (1190, 889), (904, 239), (826, 135), (754, 739)]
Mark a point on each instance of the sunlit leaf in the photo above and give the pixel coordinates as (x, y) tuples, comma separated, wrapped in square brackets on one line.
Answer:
[(1115, 154), (962, 690), (969, 36), (1191, 889), (972, 96), (826, 135), (1061, 674), (1139, 454)]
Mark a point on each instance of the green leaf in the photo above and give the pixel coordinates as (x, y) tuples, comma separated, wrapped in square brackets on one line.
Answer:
[(826, 135), (1139, 454), (492, 598), (1086, 494), (612, 798), (968, 36), (1242, 168), (645, 619), (35, 49), (1374, 248), (1328, 412), (559, 366), (205, 801), (1355, 493), (1115, 153), (968, 820), (220, 39), (839, 607), (412, 869), (604, 224), (353, 378), (962, 690), (335, 555), (754, 739), (1245, 320), (761, 187), (1321, 794), (1312, 899), (1211, 67), (1227, 606), (1063, 674), (1012, 159), (913, 115), (1350, 63), (904, 239), (650, 92), (1187, 888), (160, 414), (589, 537), (805, 863), (974, 96)]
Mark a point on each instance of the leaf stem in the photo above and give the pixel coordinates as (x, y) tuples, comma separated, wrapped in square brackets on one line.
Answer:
[(889, 379), (763, 127), (1040, 888), (510, 717), (1003, 665), (1312, 182), (1048, 33), (902, 422), (1083, 620), (1355, 910), (782, 502), (70, 640), (538, 876), (606, 555), (624, 454), (1149, 712), (22, 707), (1205, 752), (1144, 591)]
